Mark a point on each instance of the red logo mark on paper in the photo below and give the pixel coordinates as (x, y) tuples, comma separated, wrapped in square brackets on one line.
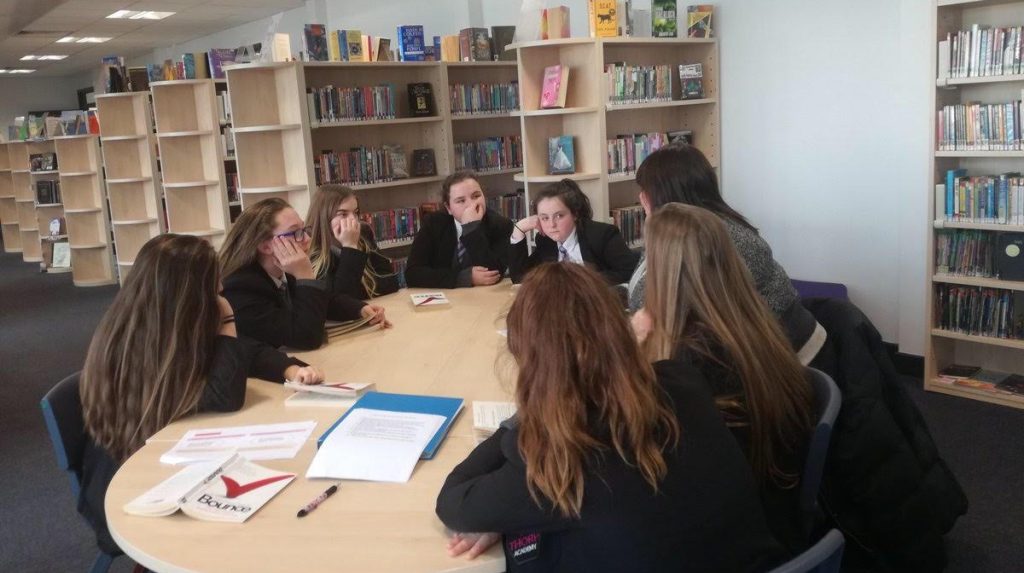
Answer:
[(234, 489)]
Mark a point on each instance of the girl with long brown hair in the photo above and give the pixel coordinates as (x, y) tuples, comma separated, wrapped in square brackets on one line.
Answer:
[(342, 249), (701, 307), (269, 280), (165, 349), (611, 463)]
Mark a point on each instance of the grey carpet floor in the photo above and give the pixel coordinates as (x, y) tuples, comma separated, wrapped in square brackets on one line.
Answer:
[(45, 327)]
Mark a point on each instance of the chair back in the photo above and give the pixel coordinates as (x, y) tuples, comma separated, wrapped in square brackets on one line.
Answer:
[(825, 556), (62, 411), (827, 400)]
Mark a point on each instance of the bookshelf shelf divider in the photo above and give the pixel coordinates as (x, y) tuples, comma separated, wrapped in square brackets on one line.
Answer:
[(85, 211)]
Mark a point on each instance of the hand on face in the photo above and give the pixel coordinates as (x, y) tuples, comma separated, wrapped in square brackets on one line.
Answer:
[(291, 257), (346, 231)]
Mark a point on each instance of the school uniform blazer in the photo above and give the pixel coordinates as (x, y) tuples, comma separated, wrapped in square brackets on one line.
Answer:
[(234, 360), (601, 245), (347, 266), (262, 313), (432, 258), (705, 515)]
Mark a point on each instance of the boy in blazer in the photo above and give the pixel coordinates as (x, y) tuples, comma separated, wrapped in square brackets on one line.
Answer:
[(465, 245), (566, 231)]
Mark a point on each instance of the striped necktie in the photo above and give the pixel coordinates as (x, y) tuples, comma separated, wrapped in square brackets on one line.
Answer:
[(460, 252), (563, 255)]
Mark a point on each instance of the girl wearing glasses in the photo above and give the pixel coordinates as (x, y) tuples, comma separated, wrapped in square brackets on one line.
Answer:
[(566, 231), (342, 249), (270, 283)]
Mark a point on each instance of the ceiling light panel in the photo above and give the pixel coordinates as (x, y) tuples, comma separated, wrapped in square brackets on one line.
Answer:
[(140, 15)]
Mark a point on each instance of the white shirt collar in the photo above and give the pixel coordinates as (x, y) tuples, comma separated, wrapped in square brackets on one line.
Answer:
[(570, 243), (458, 229), (278, 282)]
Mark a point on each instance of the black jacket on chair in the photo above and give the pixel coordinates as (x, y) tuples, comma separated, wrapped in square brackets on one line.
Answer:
[(601, 245), (432, 258), (262, 313), (885, 485), (347, 266)]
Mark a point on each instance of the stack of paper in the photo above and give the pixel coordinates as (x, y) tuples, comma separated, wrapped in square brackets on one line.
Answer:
[(262, 442), (488, 416), (326, 395)]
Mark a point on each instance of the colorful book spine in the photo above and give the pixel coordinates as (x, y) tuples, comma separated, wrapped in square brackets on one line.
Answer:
[(491, 154), (630, 221), (979, 311), (979, 127), (638, 84), (627, 152), (393, 225), (334, 104), (512, 205), (989, 199), (358, 166), (468, 99), (962, 252)]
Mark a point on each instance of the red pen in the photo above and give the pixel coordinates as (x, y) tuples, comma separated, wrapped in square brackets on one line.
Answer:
[(316, 502)]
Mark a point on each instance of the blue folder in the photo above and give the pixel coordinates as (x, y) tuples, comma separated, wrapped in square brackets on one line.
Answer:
[(411, 403)]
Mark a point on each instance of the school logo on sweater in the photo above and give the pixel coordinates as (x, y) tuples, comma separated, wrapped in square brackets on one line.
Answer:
[(523, 548)]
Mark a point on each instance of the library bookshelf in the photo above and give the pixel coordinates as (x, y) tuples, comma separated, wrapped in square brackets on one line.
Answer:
[(129, 162), (592, 118), (85, 210), (34, 218), (191, 158), (946, 347), (278, 141), (8, 205)]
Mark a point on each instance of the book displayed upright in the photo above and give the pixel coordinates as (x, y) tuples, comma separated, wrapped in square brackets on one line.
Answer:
[(554, 87), (698, 21), (410, 43), (502, 36), (561, 155), (691, 81), (603, 18), (314, 41), (664, 17), (421, 100)]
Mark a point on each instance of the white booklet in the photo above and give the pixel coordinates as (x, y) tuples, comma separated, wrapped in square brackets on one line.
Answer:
[(375, 445), (429, 299), (229, 489), (488, 416), (348, 390), (260, 442)]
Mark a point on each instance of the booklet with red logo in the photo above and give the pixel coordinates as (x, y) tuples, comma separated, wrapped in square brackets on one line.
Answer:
[(230, 489)]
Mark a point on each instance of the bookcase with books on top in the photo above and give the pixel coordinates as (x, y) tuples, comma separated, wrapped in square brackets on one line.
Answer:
[(384, 128), (623, 100), (85, 210), (975, 287), (8, 206), (34, 166), (191, 158), (129, 161), (24, 201)]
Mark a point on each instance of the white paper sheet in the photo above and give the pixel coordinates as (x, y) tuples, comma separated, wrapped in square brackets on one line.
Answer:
[(260, 442), (375, 445)]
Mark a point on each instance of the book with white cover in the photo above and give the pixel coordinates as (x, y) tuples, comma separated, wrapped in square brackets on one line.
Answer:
[(488, 416), (348, 389), (429, 299), (231, 489)]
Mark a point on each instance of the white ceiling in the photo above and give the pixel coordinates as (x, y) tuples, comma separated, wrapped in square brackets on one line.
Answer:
[(34, 26)]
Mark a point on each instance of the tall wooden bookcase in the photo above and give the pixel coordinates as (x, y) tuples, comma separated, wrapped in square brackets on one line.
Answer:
[(8, 205), (191, 158), (592, 119), (33, 218), (129, 161), (85, 210), (945, 347), (276, 143)]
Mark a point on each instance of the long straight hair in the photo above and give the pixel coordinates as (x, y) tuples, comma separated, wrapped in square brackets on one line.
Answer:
[(255, 225), (701, 299), (149, 358), (680, 173), (580, 371), (321, 211)]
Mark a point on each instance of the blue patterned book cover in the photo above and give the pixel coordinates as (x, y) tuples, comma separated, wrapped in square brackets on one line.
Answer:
[(410, 43)]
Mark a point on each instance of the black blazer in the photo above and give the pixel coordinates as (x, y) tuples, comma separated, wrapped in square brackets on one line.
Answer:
[(601, 245), (347, 267), (432, 258), (262, 313), (234, 360), (705, 516)]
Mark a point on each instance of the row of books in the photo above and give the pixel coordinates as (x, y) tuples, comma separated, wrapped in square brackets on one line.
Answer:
[(47, 192), (319, 45), (227, 139), (393, 225), (490, 154), (980, 52), (42, 161), (361, 165), (192, 66), (73, 122), (993, 199), (664, 19), (473, 45), (636, 84), (484, 98), (511, 205), (399, 265), (328, 104), (980, 127), (231, 179), (627, 152), (982, 379), (630, 221), (979, 311), (965, 253), (223, 108)]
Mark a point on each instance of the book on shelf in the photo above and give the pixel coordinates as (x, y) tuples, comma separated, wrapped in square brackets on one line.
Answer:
[(627, 152), (988, 199), (48, 192), (603, 18), (698, 21), (501, 37), (410, 43), (331, 104), (361, 165), (223, 107), (468, 99), (382, 49), (424, 164), (139, 78), (981, 51), (474, 45), (554, 87), (691, 81), (228, 141), (248, 53), (1013, 384), (57, 227), (979, 311), (969, 253), (980, 127), (681, 136), (314, 42), (1009, 256), (511, 205), (490, 154), (43, 161), (638, 84), (449, 48), (281, 47), (399, 265), (230, 489), (114, 75), (217, 58), (561, 155), (353, 41), (630, 221), (955, 372), (430, 54), (421, 99), (664, 18), (555, 23), (391, 226), (368, 45)]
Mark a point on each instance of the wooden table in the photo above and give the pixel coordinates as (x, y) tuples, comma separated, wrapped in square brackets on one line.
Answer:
[(447, 351)]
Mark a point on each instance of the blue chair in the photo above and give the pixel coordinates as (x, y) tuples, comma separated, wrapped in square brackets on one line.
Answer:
[(62, 411), (827, 400), (825, 556)]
